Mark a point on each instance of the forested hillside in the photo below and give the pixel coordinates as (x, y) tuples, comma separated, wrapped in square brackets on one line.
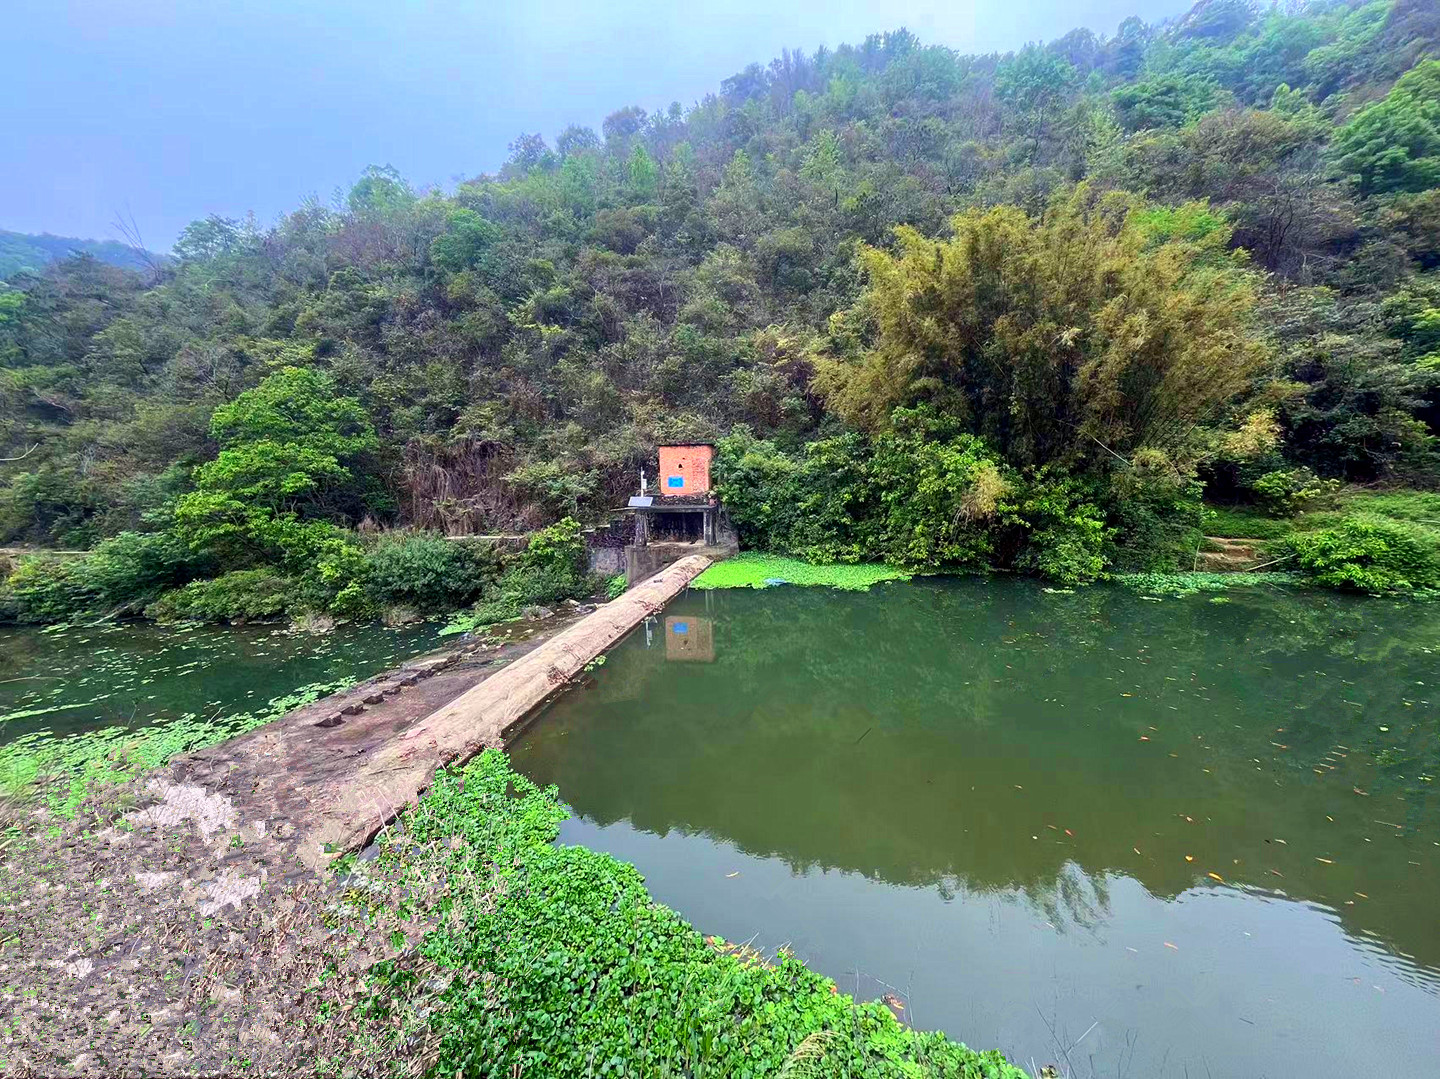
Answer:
[(23, 252), (945, 310)]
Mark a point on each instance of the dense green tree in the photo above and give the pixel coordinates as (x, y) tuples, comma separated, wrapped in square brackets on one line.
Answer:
[(287, 457), (1077, 336), (1394, 144), (1166, 100)]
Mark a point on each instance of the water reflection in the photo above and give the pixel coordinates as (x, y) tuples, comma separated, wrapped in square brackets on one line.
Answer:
[(139, 674), (1067, 776), (689, 639)]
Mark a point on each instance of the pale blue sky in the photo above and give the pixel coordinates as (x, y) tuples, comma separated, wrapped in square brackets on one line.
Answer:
[(185, 108)]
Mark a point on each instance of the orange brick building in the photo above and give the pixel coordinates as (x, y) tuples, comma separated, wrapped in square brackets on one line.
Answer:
[(685, 470)]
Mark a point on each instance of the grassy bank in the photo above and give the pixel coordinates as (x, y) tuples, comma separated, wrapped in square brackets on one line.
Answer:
[(559, 963), (755, 570)]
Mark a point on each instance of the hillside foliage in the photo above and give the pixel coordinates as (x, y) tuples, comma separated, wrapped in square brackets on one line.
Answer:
[(1109, 271)]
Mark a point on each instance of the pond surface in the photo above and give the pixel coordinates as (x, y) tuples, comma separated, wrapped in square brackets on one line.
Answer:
[(1190, 837), (138, 674)]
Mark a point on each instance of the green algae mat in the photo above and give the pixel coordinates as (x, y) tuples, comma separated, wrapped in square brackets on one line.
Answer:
[(751, 570)]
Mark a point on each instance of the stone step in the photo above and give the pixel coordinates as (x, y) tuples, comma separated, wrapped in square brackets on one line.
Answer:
[(1231, 555)]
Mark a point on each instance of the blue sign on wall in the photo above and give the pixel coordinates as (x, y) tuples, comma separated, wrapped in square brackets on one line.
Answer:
[(681, 627), (674, 481)]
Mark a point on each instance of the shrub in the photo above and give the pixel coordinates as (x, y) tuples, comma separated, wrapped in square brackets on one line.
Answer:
[(239, 596), (557, 548), (1067, 532), (47, 588), (425, 570), (759, 486), (1156, 513), (547, 572), (930, 479), (122, 573), (1370, 553), (922, 496), (1290, 491)]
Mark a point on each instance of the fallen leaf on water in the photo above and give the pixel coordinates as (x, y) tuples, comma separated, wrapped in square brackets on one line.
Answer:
[(1277, 872), (1362, 895), (1216, 876), (1357, 790), (1189, 857), (1144, 738), (1327, 861), (734, 874), (1169, 945), (1069, 833), (1137, 851)]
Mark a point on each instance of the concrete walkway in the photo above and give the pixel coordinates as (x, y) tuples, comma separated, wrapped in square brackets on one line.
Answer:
[(327, 777), (483, 716)]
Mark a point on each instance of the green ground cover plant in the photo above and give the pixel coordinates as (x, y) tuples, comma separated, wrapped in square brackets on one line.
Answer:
[(1190, 584), (1241, 522), (557, 962)]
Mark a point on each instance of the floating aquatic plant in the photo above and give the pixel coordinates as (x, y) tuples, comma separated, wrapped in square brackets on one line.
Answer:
[(753, 570)]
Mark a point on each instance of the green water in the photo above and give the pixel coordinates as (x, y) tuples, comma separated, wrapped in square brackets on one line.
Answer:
[(1005, 805), (141, 675)]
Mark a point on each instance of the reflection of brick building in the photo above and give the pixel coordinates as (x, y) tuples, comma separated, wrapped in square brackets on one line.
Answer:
[(689, 639)]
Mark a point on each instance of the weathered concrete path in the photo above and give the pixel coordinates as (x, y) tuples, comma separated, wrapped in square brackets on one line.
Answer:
[(483, 716), (332, 774)]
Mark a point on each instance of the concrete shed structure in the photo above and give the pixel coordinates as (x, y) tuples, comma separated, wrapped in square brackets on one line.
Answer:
[(675, 515)]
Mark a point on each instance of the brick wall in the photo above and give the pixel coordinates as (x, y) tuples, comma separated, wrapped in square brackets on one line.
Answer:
[(685, 470)]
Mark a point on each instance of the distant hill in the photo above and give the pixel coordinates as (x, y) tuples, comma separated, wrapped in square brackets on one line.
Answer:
[(25, 251)]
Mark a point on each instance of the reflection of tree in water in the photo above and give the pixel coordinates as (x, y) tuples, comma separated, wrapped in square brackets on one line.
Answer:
[(1072, 898), (923, 733), (1084, 897)]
